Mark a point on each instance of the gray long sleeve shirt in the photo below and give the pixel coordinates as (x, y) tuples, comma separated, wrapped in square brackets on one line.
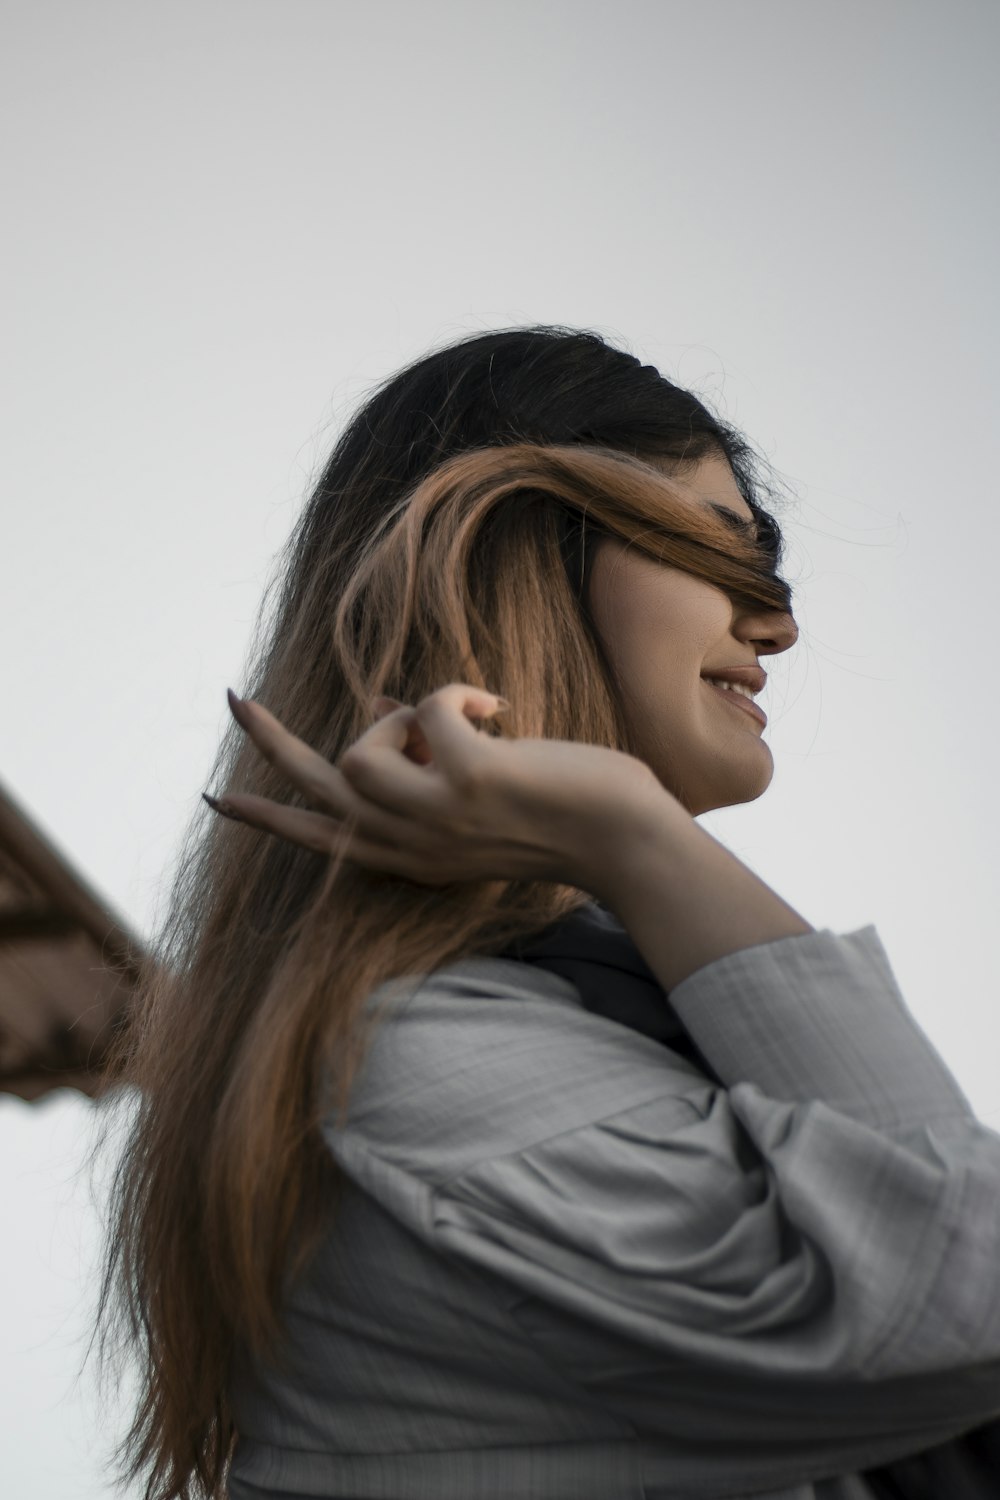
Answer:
[(573, 1261)]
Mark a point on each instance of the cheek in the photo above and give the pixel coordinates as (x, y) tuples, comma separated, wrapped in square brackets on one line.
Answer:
[(660, 627)]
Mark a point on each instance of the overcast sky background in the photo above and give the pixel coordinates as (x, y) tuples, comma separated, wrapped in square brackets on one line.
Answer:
[(225, 221)]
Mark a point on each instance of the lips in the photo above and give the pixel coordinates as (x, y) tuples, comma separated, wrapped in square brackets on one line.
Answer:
[(755, 678), (737, 701)]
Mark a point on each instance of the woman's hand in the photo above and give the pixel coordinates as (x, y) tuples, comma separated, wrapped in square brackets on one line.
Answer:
[(425, 795)]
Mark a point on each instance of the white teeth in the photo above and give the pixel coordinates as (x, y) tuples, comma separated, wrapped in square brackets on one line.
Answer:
[(731, 687)]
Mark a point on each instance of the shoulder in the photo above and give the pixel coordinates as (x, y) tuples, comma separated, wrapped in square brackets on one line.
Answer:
[(490, 1056)]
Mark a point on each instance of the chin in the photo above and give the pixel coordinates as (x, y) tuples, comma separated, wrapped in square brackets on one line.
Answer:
[(724, 790), (719, 802), (745, 791)]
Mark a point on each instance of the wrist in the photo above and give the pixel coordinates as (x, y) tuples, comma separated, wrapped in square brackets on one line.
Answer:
[(684, 899), (618, 832)]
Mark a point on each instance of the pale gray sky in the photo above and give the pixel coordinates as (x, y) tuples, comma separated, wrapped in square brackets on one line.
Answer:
[(225, 219)]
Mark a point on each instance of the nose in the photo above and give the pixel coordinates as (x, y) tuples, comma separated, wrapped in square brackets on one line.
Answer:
[(771, 631)]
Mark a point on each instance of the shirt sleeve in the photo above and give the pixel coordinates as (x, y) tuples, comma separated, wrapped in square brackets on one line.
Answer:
[(788, 1274)]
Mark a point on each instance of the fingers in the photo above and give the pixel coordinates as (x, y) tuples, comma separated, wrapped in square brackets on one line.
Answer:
[(393, 789), (416, 747), (444, 719), (318, 832), (311, 830), (311, 772), (328, 785), (436, 733)]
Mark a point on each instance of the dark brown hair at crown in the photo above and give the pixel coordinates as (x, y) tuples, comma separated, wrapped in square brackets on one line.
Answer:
[(432, 550)]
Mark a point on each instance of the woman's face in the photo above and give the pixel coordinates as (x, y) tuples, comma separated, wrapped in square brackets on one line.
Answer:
[(662, 629)]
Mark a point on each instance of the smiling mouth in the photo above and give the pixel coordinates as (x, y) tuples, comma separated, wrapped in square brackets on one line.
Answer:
[(737, 701)]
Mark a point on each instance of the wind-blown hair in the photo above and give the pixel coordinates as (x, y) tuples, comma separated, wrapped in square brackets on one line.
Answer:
[(434, 548)]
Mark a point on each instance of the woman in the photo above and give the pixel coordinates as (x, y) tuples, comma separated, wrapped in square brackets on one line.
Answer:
[(431, 1190)]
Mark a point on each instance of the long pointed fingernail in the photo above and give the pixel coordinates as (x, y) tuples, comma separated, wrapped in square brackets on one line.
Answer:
[(238, 708), (225, 808)]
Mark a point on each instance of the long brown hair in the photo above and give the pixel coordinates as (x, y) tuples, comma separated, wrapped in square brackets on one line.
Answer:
[(430, 552)]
